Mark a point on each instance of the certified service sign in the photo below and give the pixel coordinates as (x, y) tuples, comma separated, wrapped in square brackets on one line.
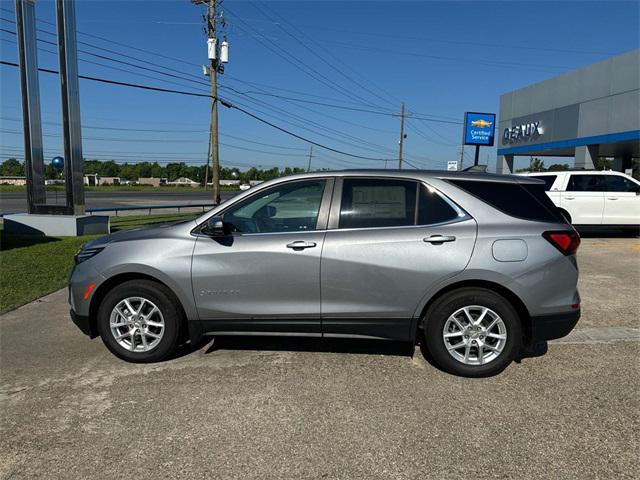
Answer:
[(479, 128)]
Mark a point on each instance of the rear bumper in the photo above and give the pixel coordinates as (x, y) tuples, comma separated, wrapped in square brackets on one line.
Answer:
[(557, 325)]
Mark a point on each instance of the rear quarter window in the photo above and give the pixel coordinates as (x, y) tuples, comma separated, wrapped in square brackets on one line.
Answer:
[(526, 201)]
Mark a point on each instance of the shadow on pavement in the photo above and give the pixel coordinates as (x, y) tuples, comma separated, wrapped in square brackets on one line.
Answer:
[(301, 344)]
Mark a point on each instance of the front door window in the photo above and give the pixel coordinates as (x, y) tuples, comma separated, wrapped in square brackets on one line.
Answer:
[(290, 207)]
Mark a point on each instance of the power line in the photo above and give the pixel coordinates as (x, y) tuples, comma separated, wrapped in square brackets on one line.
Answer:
[(422, 134), (104, 39), (111, 59), (428, 118), (491, 63), (317, 55), (222, 101), (314, 126), (474, 43), (299, 64), (310, 110), (375, 147)]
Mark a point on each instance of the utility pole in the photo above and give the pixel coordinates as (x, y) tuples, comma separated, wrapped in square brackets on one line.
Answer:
[(217, 57), (213, 76), (402, 135), (461, 156), (310, 157)]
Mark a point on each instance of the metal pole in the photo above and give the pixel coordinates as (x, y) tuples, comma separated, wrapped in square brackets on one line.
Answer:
[(401, 136), (213, 75), (475, 161), (310, 157), (206, 168), (30, 89), (73, 161)]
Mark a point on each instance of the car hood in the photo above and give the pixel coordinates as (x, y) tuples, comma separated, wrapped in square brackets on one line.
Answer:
[(141, 233)]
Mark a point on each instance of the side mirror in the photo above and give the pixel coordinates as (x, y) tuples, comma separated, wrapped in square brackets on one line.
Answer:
[(215, 227)]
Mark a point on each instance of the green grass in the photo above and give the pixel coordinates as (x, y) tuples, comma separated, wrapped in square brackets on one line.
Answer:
[(121, 189), (31, 266)]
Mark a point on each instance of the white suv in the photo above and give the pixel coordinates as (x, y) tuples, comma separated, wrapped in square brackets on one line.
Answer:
[(588, 197)]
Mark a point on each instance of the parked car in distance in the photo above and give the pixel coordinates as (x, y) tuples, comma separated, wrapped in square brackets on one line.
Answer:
[(590, 198), (479, 267)]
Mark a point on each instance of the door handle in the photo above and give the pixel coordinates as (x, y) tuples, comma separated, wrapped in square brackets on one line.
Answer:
[(612, 198), (301, 245), (439, 239), (569, 198)]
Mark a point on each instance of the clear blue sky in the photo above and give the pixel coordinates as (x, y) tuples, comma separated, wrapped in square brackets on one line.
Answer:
[(441, 58)]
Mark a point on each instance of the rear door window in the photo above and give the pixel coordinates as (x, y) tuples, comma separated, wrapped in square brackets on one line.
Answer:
[(548, 180), (616, 183), (368, 203), (527, 201), (587, 183)]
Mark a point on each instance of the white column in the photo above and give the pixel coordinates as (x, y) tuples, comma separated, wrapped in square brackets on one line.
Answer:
[(586, 156), (505, 164)]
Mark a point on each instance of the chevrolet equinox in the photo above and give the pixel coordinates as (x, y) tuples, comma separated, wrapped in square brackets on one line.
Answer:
[(479, 267)]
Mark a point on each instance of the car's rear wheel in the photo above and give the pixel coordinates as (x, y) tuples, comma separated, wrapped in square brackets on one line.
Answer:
[(472, 332), (138, 321)]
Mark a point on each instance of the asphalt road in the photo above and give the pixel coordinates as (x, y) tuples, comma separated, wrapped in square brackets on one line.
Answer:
[(290, 408), (17, 201)]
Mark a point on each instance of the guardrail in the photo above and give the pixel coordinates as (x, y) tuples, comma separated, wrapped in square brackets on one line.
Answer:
[(179, 207)]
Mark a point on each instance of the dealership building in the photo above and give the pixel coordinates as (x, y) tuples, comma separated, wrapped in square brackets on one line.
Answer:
[(586, 113)]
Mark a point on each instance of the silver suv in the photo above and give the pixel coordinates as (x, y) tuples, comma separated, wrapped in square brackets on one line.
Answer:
[(479, 267)]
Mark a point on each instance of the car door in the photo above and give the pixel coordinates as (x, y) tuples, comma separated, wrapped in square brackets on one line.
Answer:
[(388, 241), (584, 198), (621, 201), (265, 275)]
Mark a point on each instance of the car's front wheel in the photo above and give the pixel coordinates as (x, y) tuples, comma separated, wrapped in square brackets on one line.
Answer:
[(138, 321), (472, 332)]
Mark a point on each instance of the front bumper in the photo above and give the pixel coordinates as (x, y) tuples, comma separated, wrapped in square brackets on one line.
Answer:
[(83, 323), (557, 325)]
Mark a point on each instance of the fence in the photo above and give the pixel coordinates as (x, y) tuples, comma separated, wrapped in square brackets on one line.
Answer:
[(179, 207)]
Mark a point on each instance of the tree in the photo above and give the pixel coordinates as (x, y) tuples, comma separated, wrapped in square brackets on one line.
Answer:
[(12, 168), (172, 171), (536, 165), (603, 163), (557, 167)]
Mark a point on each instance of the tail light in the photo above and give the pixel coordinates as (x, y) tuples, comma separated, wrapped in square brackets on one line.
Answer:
[(565, 241)]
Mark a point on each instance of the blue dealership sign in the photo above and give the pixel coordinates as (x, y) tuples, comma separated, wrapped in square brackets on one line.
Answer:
[(479, 128)]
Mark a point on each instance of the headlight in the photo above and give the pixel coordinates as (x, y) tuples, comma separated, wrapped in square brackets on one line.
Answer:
[(86, 253)]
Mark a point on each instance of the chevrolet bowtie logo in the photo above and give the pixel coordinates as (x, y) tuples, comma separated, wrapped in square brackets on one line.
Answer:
[(481, 123)]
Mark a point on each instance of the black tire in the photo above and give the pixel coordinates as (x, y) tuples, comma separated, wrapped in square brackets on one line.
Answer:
[(438, 314), (166, 302)]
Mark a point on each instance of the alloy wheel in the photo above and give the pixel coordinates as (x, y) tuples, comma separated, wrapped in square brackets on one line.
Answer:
[(474, 335), (137, 324)]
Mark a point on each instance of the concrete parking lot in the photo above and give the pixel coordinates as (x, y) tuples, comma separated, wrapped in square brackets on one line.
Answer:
[(292, 408)]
